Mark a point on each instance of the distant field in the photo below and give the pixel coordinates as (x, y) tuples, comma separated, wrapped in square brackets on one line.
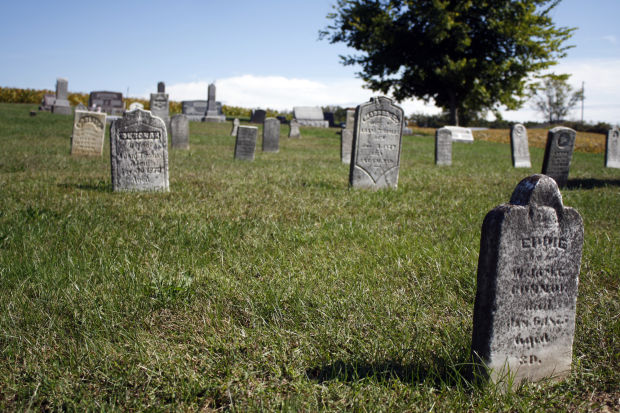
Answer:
[(269, 285)]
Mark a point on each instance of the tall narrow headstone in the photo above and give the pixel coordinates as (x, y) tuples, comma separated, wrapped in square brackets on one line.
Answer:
[(212, 114), (139, 152), (161, 87), (245, 144), (88, 133), (519, 147), (294, 129), (346, 137), (528, 273), (271, 135), (235, 127), (612, 148), (558, 154), (179, 129), (160, 105), (443, 146), (376, 144), (61, 103)]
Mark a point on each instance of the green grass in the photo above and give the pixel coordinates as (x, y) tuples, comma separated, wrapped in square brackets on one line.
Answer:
[(269, 285)]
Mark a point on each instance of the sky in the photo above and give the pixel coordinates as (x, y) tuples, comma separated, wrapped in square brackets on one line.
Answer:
[(260, 54)]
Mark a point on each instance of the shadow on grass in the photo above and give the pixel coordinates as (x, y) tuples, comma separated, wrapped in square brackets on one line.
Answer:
[(591, 183), (100, 186)]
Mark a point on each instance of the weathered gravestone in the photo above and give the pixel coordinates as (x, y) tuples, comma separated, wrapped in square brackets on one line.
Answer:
[(528, 273), (558, 154), (109, 102), (235, 127), (161, 87), (271, 135), (443, 146), (179, 129), (346, 137), (258, 116), (376, 144), (212, 114), (245, 144), (61, 103), (612, 148), (88, 133), (136, 105), (194, 109), (519, 148), (159, 104), (294, 129), (139, 152), (460, 134), (310, 116), (47, 102)]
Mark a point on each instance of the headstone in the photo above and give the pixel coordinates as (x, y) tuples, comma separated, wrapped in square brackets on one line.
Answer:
[(519, 147), (271, 135), (282, 119), (235, 127), (294, 129), (460, 134), (376, 144), (528, 273), (194, 109), (558, 154), (109, 102), (81, 106), (159, 104), (407, 131), (329, 117), (47, 102), (443, 146), (212, 114), (139, 152), (346, 137), (258, 116), (136, 105), (161, 87), (612, 148), (88, 133), (310, 116), (245, 144), (179, 129), (61, 103)]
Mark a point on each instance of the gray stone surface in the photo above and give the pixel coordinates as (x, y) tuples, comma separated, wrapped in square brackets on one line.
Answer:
[(258, 116), (245, 144), (235, 127), (61, 103), (194, 109), (558, 154), (81, 106), (159, 104), (139, 152), (612, 148), (377, 141), (407, 131), (212, 114), (109, 102), (294, 129), (310, 116), (271, 135), (161, 87), (519, 147), (443, 146), (329, 117), (47, 102), (179, 129), (528, 273), (346, 137), (88, 133), (136, 105), (460, 134)]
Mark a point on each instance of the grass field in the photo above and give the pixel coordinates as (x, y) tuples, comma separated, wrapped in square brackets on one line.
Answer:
[(269, 285)]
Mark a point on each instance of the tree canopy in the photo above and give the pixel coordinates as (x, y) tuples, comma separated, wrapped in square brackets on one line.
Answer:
[(553, 97), (466, 55)]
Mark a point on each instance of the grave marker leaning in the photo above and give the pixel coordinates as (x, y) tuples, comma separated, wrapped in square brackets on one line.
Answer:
[(88, 133), (519, 148), (271, 135), (612, 148), (245, 144), (558, 154)]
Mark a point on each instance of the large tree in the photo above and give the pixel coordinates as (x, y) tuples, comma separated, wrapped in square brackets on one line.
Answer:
[(553, 97), (466, 55)]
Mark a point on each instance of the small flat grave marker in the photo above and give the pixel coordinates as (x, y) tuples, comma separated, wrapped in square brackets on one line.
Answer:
[(460, 134), (139, 152), (245, 144), (519, 148), (558, 154), (88, 133), (179, 129), (271, 135), (443, 146), (612, 148), (528, 273)]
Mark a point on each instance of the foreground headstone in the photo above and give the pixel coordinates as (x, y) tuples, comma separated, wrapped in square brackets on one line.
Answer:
[(612, 148), (558, 154), (443, 146), (519, 148), (235, 127), (179, 129), (109, 102), (460, 134), (245, 144), (88, 133), (212, 114), (528, 273), (271, 135), (294, 129), (139, 152), (376, 144), (61, 103), (310, 116), (258, 116), (346, 137)]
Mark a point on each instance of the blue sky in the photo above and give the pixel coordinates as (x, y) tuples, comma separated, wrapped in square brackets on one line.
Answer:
[(259, 53)]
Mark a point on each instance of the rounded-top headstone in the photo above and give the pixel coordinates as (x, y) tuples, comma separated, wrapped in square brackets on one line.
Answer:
[(161, 87)]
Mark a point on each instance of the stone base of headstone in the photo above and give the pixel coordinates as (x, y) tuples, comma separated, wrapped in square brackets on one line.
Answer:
[(62, 107), (314, 123), (460, 134), (214, 118)]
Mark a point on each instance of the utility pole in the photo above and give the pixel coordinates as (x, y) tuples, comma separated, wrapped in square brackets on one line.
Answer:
[(582, 98)]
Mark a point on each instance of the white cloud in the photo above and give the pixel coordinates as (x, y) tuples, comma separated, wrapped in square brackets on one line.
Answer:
[(610, 38)]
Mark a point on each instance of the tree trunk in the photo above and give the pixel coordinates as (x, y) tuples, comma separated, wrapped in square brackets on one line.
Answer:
[(454, 111)]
